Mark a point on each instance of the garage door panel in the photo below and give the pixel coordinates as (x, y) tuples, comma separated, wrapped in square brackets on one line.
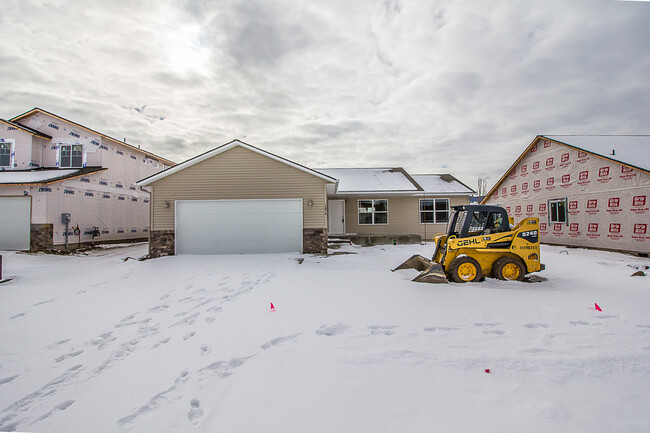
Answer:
[(238, 226), (15, 223)]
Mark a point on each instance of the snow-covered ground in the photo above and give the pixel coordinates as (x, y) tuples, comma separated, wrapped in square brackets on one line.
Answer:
[(189, 344)]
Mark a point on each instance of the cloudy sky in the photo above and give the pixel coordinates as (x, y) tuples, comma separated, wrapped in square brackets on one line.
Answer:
[(431, 85)]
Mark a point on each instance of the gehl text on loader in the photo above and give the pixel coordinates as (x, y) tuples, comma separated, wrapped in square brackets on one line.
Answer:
[(480, 242)]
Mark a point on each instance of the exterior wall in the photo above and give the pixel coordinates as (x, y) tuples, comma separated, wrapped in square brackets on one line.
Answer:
[(607, 202), (40, 237), (239, 173), (108, 199), (119, 213), (403, 216), (314, 241), (162, 243), (22, 146)]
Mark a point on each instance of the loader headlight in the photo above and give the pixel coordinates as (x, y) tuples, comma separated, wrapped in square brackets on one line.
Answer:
[(533, 256)]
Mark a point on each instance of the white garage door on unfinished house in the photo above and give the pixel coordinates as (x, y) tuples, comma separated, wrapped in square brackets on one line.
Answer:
[(15, 222), (238, 226)]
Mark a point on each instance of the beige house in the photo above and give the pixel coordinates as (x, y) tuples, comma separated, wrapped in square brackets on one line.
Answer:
[(237, 199), (587, 190), (371, 202)]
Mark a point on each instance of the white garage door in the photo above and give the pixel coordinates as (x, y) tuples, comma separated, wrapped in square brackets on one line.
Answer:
[(15, 221), (238, 226)]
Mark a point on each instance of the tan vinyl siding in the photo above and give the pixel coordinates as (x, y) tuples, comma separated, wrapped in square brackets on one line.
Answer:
[(403, 216), (239, 173)]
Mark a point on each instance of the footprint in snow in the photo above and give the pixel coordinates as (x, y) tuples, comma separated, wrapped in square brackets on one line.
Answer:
[(161, 342), (278, 340), (189, 335), (158, 308), (494, 331), (381, 330), (578, 323), (487, 325), (536, 325), (45, 302), (58, 343), (15, 316), (7, 379), (195, 413), (533, 350), (205, 349), (59, 407), (69, 355), (331, 330), (439, 329)]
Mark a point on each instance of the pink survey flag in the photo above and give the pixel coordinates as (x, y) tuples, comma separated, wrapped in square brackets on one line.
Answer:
[(595, 306)]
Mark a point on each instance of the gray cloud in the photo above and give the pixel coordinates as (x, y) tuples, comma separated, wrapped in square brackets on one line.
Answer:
[(452, 86)]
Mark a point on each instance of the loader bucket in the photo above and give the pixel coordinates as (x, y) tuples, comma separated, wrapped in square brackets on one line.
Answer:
[(435, 274), (415, 262), (430, 272)]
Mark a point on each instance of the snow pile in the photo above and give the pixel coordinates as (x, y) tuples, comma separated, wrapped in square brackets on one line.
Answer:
[(189, 343)]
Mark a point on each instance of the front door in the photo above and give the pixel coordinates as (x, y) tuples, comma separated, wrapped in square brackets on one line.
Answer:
[(336, 217)]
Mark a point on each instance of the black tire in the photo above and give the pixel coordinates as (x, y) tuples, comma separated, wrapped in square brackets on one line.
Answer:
[(465, 269), (509, 269)]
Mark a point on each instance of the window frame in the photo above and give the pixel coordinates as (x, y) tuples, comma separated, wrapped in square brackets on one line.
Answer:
[(434, 211), (372, 212), (8, 147), (79, 148), (554, 219)]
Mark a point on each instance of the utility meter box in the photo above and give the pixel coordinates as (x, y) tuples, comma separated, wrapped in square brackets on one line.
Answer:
[(65, 218)]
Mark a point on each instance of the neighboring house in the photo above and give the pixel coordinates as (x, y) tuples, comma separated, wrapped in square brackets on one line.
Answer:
[(51, 166), (237, 198), (389, 201), (588, 191)]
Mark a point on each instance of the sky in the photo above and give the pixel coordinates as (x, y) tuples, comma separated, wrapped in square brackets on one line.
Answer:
[(447, 86)]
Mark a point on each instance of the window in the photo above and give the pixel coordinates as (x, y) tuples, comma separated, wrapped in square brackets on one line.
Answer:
[(557, 211), (373, 212), (434, 210), (71, 155), (5, 154)]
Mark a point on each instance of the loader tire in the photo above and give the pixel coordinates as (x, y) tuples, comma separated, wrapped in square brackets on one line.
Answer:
[(464, 269), (509, 268)]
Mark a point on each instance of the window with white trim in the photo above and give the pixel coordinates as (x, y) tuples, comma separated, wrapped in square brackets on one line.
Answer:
[(373, 212), (434, 210), (557, 210), (5, 154), (71, 156)]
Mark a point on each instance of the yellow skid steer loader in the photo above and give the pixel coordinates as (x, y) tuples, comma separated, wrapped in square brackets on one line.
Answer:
[(480, 243)]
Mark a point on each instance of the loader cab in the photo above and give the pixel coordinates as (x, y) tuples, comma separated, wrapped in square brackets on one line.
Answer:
[(477, 220)]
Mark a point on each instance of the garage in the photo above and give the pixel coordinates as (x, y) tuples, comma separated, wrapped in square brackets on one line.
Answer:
[(238, 226), (237, 199), (15, 222)]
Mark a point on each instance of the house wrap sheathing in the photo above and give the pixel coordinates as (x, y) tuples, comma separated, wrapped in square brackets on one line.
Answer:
[(588, 191)]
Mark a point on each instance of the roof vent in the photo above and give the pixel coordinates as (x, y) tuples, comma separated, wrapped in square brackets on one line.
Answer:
[(613, 152), (447, 177)]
